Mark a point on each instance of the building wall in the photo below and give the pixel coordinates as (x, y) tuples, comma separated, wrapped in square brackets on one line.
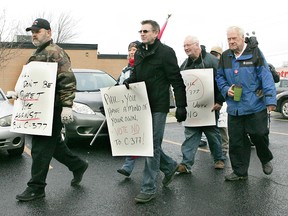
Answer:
[(82, 56)]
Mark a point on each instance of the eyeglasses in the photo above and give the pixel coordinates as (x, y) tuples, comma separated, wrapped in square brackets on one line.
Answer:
[(144, 31)]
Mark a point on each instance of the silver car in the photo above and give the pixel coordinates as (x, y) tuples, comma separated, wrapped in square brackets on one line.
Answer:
[(10, 141), (282, 85), (282, 103), (88, 111)]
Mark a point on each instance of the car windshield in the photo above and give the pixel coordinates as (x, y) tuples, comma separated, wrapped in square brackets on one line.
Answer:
[(92, 81)]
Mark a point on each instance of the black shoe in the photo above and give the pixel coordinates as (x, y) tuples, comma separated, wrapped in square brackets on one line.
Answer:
[(123, 172), (143, 198), (234, 177), (168, 178), (78, 174), (202, 143), (31, 194), (267, 168)]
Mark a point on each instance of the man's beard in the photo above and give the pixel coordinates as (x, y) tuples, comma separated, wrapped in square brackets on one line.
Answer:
[(36, 43)]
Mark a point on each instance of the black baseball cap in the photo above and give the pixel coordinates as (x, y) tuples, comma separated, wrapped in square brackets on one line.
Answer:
[(38, 24)]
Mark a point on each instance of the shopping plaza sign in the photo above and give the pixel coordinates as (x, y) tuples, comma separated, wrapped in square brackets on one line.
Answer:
[(283, 71)]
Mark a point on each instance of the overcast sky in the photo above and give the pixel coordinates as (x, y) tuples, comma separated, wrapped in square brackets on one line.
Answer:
[(112, 24)]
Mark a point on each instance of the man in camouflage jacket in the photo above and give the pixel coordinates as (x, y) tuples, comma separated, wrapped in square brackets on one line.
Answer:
[(46, 147)]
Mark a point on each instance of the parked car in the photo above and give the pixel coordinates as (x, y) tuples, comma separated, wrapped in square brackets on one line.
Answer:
[(88, 111), (10, 141), (282, 85), (282, 103)]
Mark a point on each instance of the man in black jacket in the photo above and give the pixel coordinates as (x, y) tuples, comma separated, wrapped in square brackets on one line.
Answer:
[(156, 65)]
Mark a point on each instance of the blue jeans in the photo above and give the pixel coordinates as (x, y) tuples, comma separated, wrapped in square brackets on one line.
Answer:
[(192, 139), (160, 161), (129, 164)]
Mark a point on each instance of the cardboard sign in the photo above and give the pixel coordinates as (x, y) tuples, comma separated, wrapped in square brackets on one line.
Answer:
[(223, 116), (129, 120), (200, 97), (33, 110)]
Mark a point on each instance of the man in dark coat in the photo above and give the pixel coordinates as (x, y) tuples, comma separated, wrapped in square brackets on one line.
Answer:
[(156, 65)]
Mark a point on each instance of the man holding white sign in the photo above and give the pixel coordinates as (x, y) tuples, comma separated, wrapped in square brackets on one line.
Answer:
[(200, 120), (156, 65), (45, 147)]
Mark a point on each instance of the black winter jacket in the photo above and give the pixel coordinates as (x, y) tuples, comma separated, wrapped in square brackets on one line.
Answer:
[(158, 68)]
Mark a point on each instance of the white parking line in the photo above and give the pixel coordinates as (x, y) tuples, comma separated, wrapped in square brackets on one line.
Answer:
[(274, 132), (176, 143)]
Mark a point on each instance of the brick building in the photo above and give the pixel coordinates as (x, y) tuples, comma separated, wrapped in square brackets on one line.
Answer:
[(82, 56)]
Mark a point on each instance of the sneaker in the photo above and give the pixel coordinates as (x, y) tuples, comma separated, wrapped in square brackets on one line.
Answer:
[(182, 169), (234, 177), (123, 172), (78, 174), (202, 143), (267, 168), (31, 194), (144, 198), (219, 164), (168, 178)]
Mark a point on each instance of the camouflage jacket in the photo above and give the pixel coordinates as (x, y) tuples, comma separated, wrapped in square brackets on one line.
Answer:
[(66, 82)]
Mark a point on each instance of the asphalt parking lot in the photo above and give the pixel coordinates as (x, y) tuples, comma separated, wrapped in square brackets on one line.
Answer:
[(106, 192)]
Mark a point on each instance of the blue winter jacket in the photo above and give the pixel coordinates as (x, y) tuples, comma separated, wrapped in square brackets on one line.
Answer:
[(250, 71)]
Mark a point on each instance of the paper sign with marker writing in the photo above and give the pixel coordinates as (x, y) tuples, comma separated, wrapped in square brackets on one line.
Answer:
[(33, 110), (200, 97), (129, 120), (223, 116)]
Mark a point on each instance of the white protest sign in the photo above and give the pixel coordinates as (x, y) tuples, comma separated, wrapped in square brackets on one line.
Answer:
[(200, 97), (129, 120), (223, 116), (33, 110)]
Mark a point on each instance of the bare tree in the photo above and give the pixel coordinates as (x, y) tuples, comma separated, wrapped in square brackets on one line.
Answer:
[(66, 25), (63, 26), (63, 31), (8, 49)]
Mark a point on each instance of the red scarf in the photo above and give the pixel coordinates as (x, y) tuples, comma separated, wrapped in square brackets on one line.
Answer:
[(131, 62)]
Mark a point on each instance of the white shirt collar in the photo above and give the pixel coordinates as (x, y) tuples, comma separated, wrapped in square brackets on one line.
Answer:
[(244, 47)]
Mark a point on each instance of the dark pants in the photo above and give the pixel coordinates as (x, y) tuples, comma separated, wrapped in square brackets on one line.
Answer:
[(256, 125), (46, 147)]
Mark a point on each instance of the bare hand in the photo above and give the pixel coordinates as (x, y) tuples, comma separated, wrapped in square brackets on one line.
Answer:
[(216, 107), (230, 92), (271, 108)]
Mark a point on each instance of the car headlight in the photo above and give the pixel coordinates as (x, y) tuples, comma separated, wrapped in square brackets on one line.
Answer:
[(82, 108), (5, 121)]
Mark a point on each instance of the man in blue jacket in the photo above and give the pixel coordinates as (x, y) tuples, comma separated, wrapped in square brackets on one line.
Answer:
[(243, 65)]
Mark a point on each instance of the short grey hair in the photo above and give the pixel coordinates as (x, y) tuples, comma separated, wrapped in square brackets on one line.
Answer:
[(237, 29), (192, 39)]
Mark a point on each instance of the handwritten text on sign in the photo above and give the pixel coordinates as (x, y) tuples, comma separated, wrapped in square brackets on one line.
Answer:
[(200, 97), (129, 120), (33, 110)]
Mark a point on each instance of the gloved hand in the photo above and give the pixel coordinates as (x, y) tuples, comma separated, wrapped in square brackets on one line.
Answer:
[(126, 83), (12, 94), (67, 115), (181, 114)]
